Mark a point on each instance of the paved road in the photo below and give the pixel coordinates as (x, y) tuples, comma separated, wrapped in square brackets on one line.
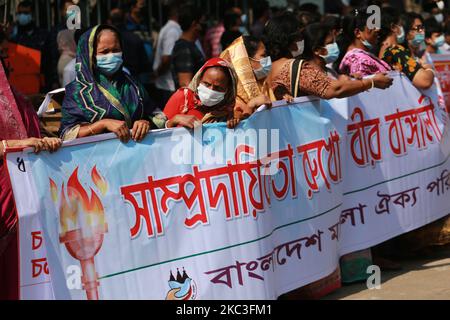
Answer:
[(424, 278)]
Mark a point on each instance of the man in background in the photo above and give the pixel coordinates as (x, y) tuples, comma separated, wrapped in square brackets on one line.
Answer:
[(169, 34), (134, 56), (187, 58)]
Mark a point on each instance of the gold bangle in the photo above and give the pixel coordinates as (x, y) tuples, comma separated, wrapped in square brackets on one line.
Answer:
[(90, 129)]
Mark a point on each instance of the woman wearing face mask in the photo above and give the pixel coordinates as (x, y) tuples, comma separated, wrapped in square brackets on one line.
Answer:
[(248, 56), (399, 44), (104, 97), (297, 77), (357, 43), (210, 97), (321, 47)]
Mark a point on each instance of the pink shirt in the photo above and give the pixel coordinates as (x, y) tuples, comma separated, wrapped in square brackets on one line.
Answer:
[(357, 61)]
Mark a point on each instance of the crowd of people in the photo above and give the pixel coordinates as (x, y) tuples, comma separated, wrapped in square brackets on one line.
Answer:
[(194, 75)]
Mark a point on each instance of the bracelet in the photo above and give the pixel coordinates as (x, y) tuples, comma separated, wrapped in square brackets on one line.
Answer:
[(429, 69), (90, 129), (5, 145), (373, 84)]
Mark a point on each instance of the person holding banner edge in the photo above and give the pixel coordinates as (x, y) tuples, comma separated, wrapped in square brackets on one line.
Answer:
[(105, 97), (294, 76), (398, 46), (210, 97), (19, 129)]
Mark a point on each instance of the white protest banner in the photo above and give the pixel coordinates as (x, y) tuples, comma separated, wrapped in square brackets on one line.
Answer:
[(250, 213)]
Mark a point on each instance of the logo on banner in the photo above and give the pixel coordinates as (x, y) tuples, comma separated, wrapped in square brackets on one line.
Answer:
[(182, 287), (82, 224)]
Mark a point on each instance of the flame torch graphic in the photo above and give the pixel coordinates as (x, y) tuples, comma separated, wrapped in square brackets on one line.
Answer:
[(83, 225)]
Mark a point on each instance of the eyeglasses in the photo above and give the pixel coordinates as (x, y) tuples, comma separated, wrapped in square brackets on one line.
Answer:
[(418, 28)]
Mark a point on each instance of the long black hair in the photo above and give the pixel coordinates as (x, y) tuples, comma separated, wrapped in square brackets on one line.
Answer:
[(314, 35), (279, 33), (356, 20)]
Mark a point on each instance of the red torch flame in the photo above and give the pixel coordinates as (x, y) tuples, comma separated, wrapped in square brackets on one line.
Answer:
[(83, 244), (53, 191), (99, 181)]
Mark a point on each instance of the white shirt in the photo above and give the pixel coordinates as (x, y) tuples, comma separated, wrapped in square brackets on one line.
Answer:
[(168, 35)]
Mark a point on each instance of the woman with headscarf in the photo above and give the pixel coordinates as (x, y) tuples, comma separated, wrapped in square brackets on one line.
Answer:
[(210, 97), (249, 58), (105, 97)]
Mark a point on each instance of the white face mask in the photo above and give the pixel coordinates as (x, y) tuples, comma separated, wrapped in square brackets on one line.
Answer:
[(300, 49), (208, 97), (439, 17), (441, 5)]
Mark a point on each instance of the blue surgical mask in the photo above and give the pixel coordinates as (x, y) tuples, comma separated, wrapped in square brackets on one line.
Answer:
[(367, 44), (24, 19), (439, 42), (418, 39), (266, 67), (109, 64), (333, 53), (401, 36)]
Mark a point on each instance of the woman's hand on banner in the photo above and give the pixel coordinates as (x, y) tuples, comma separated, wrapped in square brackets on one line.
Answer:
[(288, 98), (140, 130), (382, 81), (37, 144), (233, 123), (186, 121), (52, 144), (118, 127)]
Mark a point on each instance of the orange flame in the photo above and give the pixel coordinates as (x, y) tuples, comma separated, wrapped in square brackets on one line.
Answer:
[(99, 181), (54, 191), (68, 214), (92, 206)]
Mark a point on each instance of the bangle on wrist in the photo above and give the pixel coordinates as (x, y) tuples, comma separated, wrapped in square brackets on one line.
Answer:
[(430, 69), (5, 145), (90, 129)]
